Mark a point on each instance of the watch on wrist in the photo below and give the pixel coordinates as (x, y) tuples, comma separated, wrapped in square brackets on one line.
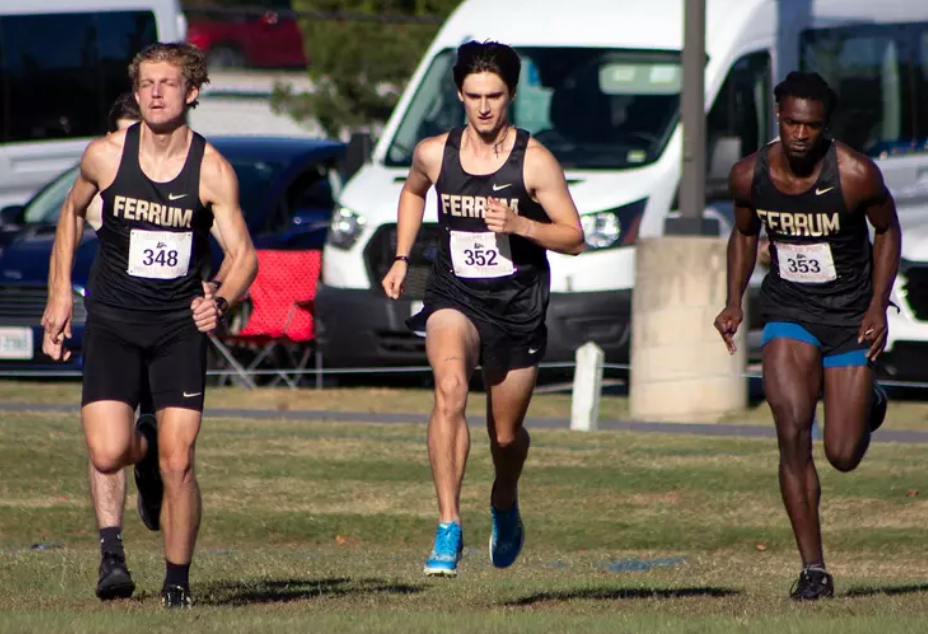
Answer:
[(222, 305)]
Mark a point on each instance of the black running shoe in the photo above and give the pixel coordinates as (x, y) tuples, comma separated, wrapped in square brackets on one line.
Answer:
[(813, 584), (176, 597), (878, 408), (148, 475), (115, 582)]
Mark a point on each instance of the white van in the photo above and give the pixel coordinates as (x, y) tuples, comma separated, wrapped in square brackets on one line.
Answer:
[(64, 63), (600, 88)]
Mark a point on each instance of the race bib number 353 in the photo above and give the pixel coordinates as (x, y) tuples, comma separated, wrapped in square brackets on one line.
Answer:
[(159, 255), (806, 263), (481, 255)]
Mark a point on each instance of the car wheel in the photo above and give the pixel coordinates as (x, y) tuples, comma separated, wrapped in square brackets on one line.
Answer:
[(226, 57)]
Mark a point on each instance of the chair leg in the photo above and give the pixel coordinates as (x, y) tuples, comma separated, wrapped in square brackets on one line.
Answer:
[(232, 361)]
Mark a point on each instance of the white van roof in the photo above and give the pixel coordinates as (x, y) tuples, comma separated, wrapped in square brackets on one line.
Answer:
[(18, 7), (633, 24)]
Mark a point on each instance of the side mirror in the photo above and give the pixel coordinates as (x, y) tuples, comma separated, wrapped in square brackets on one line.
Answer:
[(358, 152), (724, 153), (12, 215)]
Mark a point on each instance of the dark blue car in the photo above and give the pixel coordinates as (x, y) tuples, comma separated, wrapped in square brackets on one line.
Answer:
[(287, 191)]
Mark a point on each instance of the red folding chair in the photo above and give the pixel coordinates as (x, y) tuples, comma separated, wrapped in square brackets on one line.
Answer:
[(274, 328)]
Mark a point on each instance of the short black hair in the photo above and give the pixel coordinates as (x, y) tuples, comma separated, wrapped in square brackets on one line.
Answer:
[(488, 57), (125, 107), (807, 86)]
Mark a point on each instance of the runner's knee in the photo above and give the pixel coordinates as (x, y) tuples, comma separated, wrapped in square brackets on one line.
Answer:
[(176, 464), (451, 395), (844, 455), (108, 458)]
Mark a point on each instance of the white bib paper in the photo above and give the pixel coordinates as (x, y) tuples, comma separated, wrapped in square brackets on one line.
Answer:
[(159, 255), (806, 263), (481, 255)]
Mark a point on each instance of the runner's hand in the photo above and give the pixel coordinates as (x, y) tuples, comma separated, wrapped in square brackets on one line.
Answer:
[(501, 218), (57, 325), (205, 312), (394, 281), (873, 329), (727, 324)]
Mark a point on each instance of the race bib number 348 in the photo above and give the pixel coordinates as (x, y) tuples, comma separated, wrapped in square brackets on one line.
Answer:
[(481, 255), (159, 255), (806, 263)]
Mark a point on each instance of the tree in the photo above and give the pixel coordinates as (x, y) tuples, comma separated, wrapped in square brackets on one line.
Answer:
[(359, 68)]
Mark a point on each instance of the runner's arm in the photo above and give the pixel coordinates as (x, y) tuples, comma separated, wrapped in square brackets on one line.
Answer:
[(412, 197), (71, 220), (240, 264), (887, 239), (545, 181), (742, 244)]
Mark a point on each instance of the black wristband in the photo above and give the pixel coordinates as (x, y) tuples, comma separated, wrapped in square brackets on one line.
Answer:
[(401, 258)]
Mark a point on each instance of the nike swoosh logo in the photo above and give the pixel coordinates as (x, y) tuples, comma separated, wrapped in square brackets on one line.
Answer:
[(819, 192), (192, 395), (496, 188), (176, 196), (532, 350)]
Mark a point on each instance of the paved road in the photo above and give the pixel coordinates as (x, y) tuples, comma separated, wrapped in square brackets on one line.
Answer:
[(730, 431)]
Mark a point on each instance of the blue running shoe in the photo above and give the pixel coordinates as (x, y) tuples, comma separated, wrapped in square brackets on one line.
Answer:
[(507, 537), (449, 544)]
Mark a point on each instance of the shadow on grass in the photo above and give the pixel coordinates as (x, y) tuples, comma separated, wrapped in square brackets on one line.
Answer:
[(890, 590), (613, 594), (232, 593)]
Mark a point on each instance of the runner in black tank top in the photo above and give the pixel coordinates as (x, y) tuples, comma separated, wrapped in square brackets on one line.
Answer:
[(149, 305), (823, 301), (501, 282), (503, 203), (154, 248), (820, 253)]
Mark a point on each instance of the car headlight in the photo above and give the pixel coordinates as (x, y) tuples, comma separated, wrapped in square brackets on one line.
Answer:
[(612, 228), (346, 228)]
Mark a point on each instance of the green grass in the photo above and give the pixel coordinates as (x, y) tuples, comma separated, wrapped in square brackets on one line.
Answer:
[(324, 526)]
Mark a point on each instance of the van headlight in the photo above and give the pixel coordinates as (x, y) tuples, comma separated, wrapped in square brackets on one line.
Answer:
[(346, 227), (613, 228)]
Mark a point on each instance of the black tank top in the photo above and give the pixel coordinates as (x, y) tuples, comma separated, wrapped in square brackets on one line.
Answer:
[(502, 279), (154, 237), (820, 252)]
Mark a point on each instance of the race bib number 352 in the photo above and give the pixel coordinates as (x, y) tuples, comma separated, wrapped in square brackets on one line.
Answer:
[(159, 255), (806, 263), (481, 255)]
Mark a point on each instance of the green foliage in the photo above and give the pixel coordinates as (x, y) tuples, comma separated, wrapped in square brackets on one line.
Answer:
[(359, 68)]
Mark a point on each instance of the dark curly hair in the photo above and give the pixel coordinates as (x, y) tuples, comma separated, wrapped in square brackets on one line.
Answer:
[(807, 86)]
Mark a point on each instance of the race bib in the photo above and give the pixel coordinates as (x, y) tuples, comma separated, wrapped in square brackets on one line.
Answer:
[(806, 263), (159, 255), (482, 255)]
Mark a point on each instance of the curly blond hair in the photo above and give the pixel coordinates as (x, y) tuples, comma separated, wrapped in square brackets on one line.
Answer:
[(186, 56)]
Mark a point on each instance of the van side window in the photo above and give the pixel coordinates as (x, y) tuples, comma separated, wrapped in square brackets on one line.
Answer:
[(868, 67), (61, 72), (743, 107)]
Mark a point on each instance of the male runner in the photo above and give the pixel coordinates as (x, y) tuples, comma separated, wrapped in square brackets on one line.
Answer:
[(823, 302), (108, 490), (162, 187), (503, 203)]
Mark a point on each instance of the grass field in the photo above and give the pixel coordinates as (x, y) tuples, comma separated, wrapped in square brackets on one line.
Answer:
[(323, 526)]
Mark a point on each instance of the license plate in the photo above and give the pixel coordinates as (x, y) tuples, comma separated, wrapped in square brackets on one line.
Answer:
[(416, 307), (16, 343)]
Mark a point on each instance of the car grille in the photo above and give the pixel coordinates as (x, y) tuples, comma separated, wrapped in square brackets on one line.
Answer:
[(381, 250), (916, 291), (25, 305)]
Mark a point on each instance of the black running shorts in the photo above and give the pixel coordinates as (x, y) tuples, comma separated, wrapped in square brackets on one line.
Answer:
[(124, 349)]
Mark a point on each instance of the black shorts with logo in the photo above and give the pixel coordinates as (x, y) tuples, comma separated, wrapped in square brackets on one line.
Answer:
[(124, 349)]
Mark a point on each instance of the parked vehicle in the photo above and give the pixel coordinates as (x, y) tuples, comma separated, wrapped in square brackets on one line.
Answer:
[(287, 190), (236, 40), (64, 62), (602, 92)]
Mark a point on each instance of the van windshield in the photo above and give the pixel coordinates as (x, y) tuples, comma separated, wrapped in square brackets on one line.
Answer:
[(592, 108)]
